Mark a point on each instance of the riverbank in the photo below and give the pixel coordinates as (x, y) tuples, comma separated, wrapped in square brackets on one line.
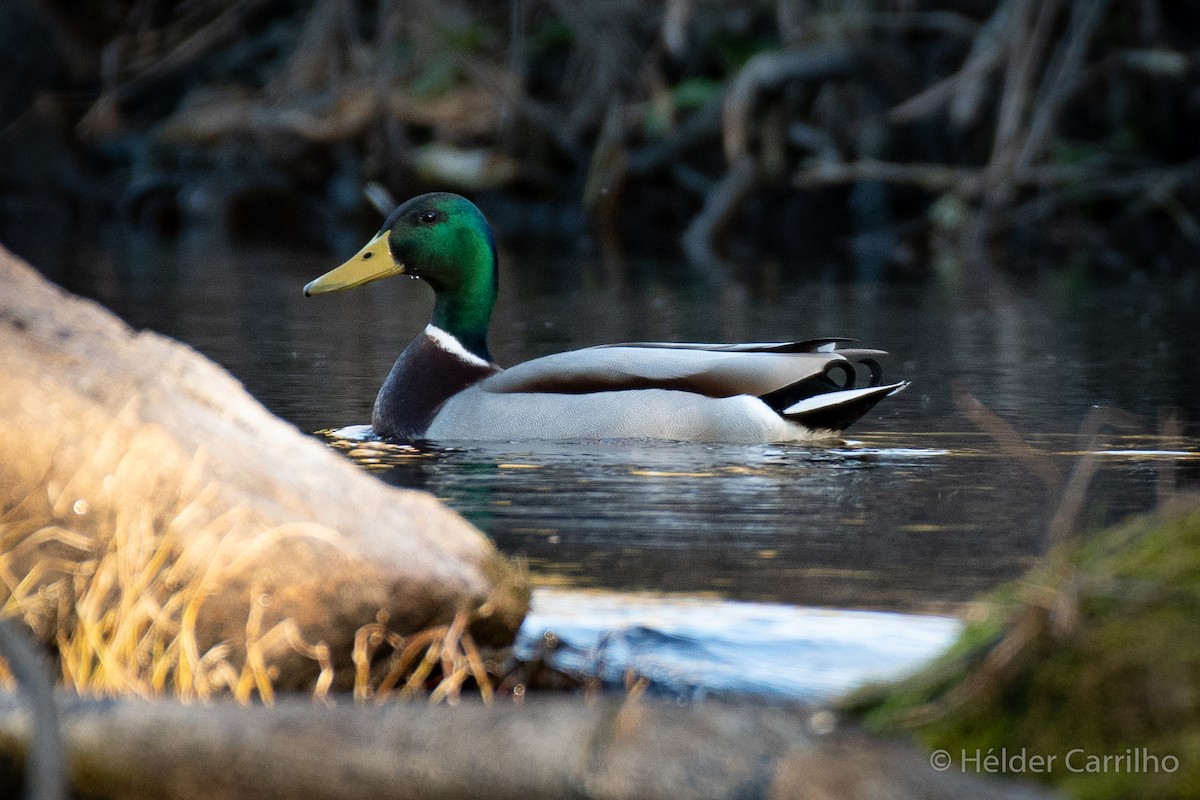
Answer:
[(905, 142), (1083, 674)]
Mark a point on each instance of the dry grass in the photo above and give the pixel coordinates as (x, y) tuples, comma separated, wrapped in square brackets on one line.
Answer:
[(120, 599), (444, 657), (109, 581)]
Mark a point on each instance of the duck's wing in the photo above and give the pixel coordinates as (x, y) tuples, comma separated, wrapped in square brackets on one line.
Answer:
[(863, 356), (825, 345), (811, 382)]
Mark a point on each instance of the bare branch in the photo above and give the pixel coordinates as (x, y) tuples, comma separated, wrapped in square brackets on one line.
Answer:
[(934, 177), (963, 87), (719, 207), (768, 70), (1027, 41), (1061, 79)]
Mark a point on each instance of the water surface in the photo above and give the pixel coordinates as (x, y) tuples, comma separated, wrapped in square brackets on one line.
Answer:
[(917, 511)]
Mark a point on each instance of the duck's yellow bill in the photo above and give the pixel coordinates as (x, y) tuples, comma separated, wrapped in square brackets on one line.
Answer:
[(370, 264)]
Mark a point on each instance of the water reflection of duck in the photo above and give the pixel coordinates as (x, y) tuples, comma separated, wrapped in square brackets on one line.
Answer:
[(446, 386)]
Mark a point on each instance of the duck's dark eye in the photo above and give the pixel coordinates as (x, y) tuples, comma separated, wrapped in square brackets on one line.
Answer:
[(428, 217)]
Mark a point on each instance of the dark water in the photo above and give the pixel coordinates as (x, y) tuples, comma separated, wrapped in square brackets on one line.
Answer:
[(918, 511)]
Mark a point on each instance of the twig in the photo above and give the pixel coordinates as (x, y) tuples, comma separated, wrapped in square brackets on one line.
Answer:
[(1066, 180), (478, 668), (380, 198), (794, 20), (1026, 44), (934, 97), (696, 128), (767, 70), (1036, 461), (450, 647), (45, 763), (224, 27), (699, 240), (933, 177), (1098, 182), (987, 52), (417, 645), (1060, 82), (1065, 523), (605, 177), (1004, 659), (1170, 431)]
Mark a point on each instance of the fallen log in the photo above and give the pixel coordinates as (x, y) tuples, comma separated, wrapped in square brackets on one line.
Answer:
[(168, 535), (549, 747)]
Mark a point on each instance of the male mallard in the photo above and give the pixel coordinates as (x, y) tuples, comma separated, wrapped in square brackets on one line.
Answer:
[(445, 384)]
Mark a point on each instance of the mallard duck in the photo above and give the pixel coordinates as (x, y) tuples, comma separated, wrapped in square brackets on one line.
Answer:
[(446, 386)]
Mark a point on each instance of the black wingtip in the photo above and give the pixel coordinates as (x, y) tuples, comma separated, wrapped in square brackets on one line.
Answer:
[(839, 410)]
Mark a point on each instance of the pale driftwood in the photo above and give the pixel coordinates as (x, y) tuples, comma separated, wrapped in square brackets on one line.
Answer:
[(547, 748), (768, 70), (111, 433)]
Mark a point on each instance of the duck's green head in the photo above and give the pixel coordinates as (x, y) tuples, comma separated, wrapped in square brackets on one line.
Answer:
[(443, 239)]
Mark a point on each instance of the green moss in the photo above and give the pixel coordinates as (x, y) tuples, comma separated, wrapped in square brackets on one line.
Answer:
[(694, 93), (1094, 654)]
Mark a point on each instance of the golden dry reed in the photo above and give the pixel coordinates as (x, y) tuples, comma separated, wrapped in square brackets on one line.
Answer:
[(109, 582)]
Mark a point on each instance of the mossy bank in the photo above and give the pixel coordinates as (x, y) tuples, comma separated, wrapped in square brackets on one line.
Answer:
[(1085, 674)]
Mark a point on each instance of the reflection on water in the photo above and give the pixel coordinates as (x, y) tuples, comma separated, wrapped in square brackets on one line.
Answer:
[(918, 512), (868, 524)]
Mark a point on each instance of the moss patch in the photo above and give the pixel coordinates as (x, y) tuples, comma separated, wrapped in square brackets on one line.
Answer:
[(1092, 659)]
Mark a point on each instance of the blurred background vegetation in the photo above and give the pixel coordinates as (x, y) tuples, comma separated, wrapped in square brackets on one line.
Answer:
[(907, 136)]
